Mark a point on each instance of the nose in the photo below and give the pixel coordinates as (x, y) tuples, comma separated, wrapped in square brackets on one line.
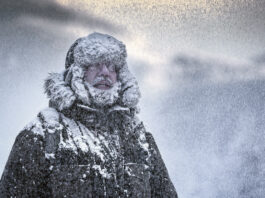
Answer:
[(104, 71)]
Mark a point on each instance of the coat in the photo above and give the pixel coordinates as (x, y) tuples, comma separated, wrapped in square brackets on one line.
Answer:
[(83, 152)]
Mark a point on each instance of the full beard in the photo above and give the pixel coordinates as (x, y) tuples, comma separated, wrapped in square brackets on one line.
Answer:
[(102, 98)]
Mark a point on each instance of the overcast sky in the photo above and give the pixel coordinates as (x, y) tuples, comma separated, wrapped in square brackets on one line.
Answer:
[(200, 66)]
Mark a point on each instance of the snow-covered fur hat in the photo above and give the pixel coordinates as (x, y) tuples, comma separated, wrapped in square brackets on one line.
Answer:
[(63, 89)]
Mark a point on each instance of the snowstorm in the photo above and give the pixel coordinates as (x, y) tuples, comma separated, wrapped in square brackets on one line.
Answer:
[(200, 66)]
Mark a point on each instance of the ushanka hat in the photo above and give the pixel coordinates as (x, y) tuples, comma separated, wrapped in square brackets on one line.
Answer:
[(95, 48)]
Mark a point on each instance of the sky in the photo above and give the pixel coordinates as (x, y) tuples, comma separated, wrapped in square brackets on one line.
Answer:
[(200, 67)]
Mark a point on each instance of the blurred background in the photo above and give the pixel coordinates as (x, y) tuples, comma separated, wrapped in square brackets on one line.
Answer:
[(200, 66)]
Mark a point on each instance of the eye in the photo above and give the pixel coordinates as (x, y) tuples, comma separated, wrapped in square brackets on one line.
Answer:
[(92, 67), (112, 68)]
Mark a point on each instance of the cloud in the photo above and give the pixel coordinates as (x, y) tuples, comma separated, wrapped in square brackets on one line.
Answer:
[(206, 68), (51, 10), (259, 59)]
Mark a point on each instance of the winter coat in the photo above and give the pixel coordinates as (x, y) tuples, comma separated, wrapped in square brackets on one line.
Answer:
[(61, 154)]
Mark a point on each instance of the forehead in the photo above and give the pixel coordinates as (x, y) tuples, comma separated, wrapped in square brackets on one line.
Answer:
[(101, 62)]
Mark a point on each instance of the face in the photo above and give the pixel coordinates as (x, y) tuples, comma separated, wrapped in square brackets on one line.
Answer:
[(101, 75)]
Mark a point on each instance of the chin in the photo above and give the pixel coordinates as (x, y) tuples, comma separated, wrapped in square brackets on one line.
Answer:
[(104, 95)]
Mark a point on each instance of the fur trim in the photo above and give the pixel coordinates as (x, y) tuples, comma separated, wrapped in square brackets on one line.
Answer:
[(130, 93), (77, 84), (60, 95)]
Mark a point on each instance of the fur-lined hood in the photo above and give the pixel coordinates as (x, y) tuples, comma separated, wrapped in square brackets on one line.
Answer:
[(66, 88)]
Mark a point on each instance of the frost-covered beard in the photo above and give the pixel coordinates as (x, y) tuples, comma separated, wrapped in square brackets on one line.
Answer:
[(103, 98)]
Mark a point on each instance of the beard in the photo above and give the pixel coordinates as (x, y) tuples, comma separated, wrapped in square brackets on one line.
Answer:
[(101, 98)]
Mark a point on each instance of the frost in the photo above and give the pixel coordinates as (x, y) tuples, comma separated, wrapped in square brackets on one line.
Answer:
[(119, 108), (101, 171), (68, 144), (143, 141), (128, 171), (35, 126), (87, 140), (87, 108), (59, 93), (50, 119), (95, 144), (98, 47), (104, 97), (77, 140), (49, 155)]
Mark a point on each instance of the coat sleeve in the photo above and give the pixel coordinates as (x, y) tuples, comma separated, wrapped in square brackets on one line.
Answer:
[(161, 185), (25, 172)]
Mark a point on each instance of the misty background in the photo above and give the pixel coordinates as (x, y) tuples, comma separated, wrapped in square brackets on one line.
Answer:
[(201, 70)]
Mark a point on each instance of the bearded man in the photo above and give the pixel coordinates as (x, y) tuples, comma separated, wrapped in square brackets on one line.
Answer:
[(89, 142)]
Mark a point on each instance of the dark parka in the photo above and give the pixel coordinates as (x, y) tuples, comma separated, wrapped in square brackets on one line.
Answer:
[(73, 149)]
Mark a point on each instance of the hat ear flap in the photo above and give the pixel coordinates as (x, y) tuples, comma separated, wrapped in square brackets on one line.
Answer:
[(130, 92), (69, 60), (60, 94), (77, 83)]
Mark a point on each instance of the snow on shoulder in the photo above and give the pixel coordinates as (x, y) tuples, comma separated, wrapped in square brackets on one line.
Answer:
[(47, 120)]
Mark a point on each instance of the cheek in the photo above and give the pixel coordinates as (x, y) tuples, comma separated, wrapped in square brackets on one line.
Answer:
[(114, 77), (90, 76)]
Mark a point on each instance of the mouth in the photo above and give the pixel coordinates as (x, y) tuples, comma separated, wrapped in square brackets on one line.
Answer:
[(104, 85)]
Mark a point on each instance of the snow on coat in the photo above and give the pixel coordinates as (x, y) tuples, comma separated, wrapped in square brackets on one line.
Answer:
[(72, 149)]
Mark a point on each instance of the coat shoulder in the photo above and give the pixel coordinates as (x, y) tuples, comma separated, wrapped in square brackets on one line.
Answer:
[(47, 121)]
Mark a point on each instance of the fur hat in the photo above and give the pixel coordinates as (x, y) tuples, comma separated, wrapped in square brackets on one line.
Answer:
[(96, 48), (66, 88)]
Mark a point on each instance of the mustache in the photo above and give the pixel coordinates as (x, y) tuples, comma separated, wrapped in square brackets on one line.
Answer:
[(102, 78)]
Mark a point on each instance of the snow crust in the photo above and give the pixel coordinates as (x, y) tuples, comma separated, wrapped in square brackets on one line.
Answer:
[(46, 121), (82, 138), (143, 143), (49, 155), (59, 93), (51, 120), (97, 47), (102, 171), (35, 126)]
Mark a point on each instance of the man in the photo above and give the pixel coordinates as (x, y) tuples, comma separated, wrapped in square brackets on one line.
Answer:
[(89, 142)]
